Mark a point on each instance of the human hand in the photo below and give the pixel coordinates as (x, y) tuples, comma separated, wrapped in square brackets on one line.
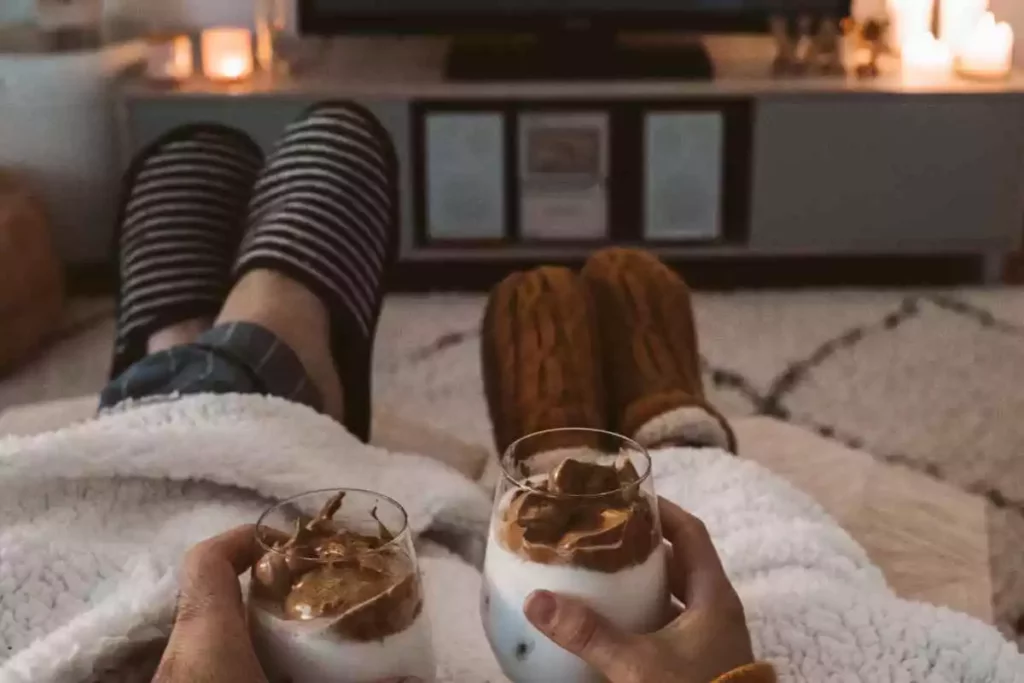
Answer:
[(210, 641), (708, 640)]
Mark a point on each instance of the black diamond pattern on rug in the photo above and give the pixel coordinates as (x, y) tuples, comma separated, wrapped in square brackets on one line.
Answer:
[(933, 382)]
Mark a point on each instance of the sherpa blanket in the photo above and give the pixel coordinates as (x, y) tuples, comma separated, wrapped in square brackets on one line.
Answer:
[(94, 518)]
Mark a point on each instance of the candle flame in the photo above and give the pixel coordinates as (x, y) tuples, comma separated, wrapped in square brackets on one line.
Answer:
[(233, 67)]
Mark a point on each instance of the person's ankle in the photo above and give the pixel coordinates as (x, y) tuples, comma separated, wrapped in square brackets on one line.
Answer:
[(178, 334), (297, 317)]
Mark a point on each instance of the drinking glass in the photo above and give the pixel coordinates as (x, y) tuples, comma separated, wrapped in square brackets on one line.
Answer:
[(605, 548), (381, 632)]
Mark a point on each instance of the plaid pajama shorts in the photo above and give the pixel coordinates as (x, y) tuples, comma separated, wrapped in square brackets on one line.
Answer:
[(235, 358)]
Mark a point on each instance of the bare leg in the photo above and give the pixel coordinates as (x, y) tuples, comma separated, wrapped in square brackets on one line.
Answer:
[(185, 332), (308, 282), (298, 318)]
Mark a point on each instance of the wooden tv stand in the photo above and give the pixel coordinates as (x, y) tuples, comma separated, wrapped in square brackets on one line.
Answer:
[(838, 175)]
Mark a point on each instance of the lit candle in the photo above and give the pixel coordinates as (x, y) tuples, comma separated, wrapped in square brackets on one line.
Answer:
[(909, 19), (988, 50), (170, 59), (957, 20), (926, 60), (227, 54)]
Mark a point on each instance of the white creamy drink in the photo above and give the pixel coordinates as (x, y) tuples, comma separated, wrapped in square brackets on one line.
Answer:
[(336, 605), (586, 530), (325, 657)]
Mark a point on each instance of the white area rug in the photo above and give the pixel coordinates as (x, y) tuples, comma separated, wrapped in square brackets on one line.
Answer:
[(932, 380)]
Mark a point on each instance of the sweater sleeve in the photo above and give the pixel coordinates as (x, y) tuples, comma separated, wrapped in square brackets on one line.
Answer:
[(752, 673)]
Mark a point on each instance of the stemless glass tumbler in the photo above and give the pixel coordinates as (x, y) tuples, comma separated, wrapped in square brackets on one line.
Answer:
[(574, 513), (336, 596)]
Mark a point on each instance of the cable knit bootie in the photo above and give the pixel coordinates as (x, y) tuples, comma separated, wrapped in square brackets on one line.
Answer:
[(651, 358), (541, 362)]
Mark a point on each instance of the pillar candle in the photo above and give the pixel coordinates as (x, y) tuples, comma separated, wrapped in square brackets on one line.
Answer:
[(987, 52), (957, 19), (926, 60), (909, 19)]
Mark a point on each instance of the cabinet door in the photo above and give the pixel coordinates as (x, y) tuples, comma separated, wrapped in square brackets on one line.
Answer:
[(896, 174), (683, 189), (465, 175)]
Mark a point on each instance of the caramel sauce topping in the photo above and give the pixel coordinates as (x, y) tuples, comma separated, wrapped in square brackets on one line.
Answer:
[(585, 515), (366, 587)]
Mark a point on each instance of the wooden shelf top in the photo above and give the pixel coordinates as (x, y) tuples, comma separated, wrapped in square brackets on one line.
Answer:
[(402, 68)]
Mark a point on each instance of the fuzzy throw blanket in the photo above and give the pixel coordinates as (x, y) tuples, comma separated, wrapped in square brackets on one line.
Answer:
[(94, 518)]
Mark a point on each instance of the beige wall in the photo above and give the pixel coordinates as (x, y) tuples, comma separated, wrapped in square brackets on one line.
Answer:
[(188, 12), (170, 12), (1013, 12)]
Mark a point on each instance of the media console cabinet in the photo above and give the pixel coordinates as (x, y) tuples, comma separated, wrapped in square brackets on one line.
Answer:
[(734, 176)]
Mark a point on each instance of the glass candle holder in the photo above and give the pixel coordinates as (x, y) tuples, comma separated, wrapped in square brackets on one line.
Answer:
[(574, 513), (227, 54), (336, 596)]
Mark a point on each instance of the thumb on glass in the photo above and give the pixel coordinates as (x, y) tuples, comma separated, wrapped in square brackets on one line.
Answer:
[(571, 624)]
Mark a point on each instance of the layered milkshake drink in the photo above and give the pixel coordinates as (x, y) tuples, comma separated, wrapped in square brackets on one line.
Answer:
[(581, 522), (339, 600)]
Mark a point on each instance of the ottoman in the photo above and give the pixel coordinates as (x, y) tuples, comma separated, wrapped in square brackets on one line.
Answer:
[(31, 277)]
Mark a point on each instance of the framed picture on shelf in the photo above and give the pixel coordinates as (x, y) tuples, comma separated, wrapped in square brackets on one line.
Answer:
[(563, 176), (577, 175)]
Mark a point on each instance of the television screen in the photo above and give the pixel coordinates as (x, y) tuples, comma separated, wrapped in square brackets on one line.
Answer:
[(476, 7), (328, 16)]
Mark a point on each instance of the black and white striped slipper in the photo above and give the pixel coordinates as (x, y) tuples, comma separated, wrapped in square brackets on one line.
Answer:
[(325, 212), (182, 217)]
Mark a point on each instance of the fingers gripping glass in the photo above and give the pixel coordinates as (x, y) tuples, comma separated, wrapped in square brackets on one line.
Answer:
[(575, 513)]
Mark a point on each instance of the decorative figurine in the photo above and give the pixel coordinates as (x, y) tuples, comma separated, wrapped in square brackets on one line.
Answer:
[(786, 44), (805, 46), (810, 45), (871, 41), (827, 51)]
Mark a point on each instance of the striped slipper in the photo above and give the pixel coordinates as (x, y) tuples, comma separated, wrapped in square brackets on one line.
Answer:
[(325, 213), (181, 220)]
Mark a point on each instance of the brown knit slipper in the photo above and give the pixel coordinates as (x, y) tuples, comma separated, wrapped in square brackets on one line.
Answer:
[(541, 363), (651, 359)]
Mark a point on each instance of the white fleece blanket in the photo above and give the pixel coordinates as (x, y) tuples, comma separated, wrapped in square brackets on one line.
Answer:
[(94, 518)]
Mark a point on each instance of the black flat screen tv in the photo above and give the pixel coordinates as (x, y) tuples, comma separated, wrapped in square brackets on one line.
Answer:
[(478, 16)]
